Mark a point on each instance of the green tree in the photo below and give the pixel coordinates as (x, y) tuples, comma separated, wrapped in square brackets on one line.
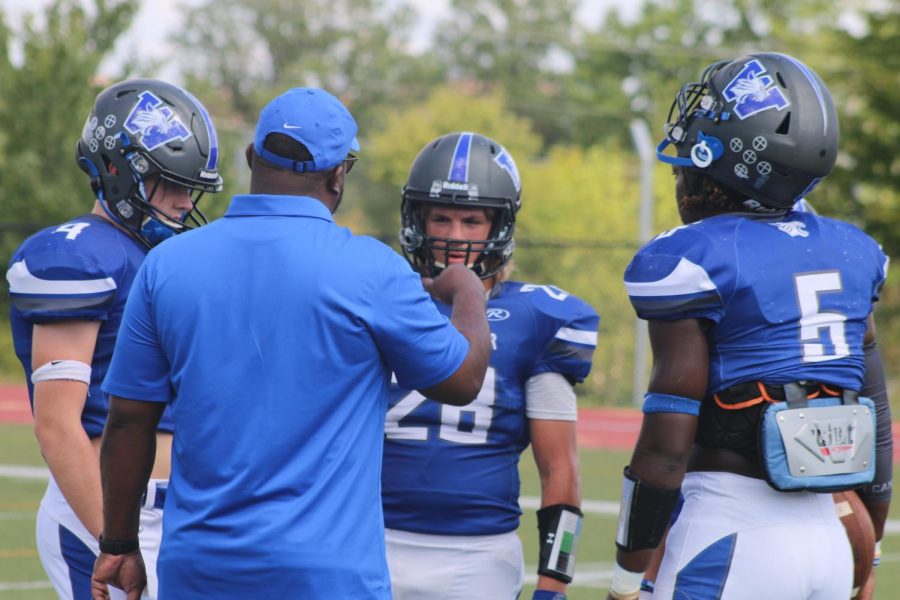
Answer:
[(578, 229), (864, 76), (249, 52), (45, 99), (243, 54), (634, 68), (519, 47)]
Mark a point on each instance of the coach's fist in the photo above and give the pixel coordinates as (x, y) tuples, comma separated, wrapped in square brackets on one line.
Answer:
[(125, 571), (453, 280)]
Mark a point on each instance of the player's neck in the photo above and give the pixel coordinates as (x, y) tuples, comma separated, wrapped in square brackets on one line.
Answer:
[(98, 210)]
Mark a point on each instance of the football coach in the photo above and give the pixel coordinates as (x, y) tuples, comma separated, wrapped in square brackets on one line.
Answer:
[(273, 334)]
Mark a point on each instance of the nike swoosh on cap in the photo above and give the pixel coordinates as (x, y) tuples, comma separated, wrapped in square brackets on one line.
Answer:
[(289, 126)]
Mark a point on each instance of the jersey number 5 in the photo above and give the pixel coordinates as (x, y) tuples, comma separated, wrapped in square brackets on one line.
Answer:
[(814, 322), (481, 408)]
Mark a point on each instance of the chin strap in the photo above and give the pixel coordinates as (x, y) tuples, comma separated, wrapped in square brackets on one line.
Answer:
[(155, 232), (707, 150)]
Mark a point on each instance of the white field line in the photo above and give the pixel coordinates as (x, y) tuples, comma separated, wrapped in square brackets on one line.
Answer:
[(15, 586), (597, 507)]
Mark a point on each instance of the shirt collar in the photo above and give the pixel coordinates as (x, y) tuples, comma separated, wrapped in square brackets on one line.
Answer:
[(267, 205)]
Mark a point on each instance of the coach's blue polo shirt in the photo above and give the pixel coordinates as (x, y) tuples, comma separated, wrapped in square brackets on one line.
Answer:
[(273, 333)]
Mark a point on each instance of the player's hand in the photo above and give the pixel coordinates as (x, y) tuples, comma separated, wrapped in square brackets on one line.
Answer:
[(452, 280), (125, 571)]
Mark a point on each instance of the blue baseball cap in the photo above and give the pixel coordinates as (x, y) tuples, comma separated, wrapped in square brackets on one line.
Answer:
[(314, 118)]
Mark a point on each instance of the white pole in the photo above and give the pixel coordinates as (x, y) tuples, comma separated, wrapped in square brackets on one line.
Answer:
[(640, 134)]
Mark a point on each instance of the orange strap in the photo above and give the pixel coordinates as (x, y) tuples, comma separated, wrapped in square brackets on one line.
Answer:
[(764, 397)]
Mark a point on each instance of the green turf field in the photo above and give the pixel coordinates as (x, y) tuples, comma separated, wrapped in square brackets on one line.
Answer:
[(21, 576)]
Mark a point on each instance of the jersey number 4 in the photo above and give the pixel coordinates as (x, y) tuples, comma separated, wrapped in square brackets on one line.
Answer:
[(481, 409), (814, 321)]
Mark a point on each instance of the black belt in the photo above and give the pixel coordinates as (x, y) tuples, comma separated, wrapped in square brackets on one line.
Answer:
[(796, 393)]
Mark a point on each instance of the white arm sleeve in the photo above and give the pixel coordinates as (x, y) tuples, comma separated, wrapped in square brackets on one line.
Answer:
[(550, 396)]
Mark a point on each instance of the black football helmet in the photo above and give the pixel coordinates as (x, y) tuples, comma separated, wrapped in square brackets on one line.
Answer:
[(464, 170), (143, 127), (763, 125)]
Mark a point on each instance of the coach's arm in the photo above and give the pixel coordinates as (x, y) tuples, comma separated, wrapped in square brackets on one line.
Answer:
[(464, 291), (126, 462)]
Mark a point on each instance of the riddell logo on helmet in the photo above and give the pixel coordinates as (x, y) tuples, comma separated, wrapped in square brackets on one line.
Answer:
[(455, 185)]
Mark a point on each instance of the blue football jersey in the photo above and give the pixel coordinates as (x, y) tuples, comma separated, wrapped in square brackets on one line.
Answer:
[(82, 269), (452, 470), (787, 298)]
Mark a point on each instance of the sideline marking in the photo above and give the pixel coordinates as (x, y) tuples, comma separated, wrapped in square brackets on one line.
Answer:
[(597, 507)]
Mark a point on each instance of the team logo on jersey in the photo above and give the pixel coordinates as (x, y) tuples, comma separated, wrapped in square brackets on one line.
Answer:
[(753, 90), (497, 314), (506, 162), (792, 228), (154, 122)]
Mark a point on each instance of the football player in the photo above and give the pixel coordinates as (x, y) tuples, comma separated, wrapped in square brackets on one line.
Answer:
[(876, 495), (150, 151), (450, 479), (758, 314)]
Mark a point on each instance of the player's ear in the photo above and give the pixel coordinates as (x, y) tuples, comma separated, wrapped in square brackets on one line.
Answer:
[(249, 154)]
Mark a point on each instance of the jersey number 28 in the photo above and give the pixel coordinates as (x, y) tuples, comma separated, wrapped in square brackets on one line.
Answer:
[(451, 417)]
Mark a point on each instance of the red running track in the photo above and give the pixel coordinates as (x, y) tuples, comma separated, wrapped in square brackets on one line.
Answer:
[(605, 428)]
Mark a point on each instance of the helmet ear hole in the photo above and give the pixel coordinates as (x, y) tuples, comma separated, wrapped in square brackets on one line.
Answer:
[(784, 128), (109, 166)]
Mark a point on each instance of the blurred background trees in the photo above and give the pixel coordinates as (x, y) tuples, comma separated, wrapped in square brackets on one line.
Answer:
[(557, 85)]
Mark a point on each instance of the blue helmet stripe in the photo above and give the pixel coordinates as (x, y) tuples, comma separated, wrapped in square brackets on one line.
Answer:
[(212, 160), (459, 167), (815, 84)]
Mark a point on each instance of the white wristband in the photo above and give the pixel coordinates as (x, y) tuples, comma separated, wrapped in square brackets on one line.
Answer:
[(625, 585)]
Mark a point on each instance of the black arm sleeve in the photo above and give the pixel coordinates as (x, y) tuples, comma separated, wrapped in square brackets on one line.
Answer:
[(874, 388)]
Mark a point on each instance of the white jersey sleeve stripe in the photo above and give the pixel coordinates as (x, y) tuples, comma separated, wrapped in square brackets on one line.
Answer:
[(578, 336), (21, 281), (686, 278)]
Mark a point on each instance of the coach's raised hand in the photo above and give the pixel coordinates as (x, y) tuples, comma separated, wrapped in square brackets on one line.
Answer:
[(462, 289)]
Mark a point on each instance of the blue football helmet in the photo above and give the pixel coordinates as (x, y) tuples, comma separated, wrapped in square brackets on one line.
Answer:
[(143, 127)]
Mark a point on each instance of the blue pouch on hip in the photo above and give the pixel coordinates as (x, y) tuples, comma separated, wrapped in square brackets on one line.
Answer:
[(818, 445)]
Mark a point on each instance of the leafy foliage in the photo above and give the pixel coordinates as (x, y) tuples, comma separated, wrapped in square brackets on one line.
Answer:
[(42, 109), (557, 92)]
